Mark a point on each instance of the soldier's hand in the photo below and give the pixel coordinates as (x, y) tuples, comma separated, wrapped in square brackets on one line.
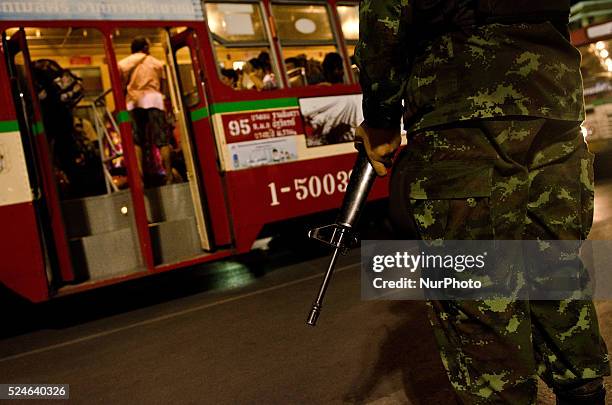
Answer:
[(380, 145)]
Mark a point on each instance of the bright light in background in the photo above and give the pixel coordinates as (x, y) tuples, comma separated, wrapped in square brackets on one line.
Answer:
[(213, 23), (238, 65), (351, 29), (349, 18), (584, 131), (600, 45), (603, 53)]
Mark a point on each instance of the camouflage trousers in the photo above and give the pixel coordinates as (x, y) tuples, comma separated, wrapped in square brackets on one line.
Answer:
[(503, 179)]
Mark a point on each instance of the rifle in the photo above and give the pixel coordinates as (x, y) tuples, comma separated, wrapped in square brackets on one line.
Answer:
[(340, 235)]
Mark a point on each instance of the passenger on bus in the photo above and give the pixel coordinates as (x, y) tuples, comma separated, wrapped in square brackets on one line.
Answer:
[(229, 77), (256, 77), (73, 143), (333, 68), (143, 77), (312, 68), (269, 77)]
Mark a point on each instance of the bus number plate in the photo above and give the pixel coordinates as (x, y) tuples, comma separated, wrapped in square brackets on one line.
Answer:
[(311, 187)]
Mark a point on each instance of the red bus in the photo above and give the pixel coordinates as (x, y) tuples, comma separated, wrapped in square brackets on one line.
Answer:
[(262, 102)]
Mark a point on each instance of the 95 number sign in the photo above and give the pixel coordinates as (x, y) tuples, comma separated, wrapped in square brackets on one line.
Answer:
[(312, 187)]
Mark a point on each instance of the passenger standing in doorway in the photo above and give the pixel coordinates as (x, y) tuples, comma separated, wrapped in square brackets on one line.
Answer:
[(144, 78)]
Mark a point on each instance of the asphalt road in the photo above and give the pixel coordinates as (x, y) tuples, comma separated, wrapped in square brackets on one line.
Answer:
[(234, 333)]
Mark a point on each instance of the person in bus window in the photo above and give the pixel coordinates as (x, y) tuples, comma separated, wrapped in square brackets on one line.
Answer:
[(229, 77), (314, 69), (333, 68), (255, 76), (310, 68), (269, 78), (143, 76)]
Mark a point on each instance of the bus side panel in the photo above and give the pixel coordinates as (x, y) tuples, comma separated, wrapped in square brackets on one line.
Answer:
[(272, 193), (22, 267), (206, 149)]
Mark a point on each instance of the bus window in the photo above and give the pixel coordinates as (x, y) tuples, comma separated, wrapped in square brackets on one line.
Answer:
[(241, 46), (349, 20), (70, 72), (308, 44)]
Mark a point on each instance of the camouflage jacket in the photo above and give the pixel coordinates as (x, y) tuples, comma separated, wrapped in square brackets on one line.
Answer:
[(487, 71)]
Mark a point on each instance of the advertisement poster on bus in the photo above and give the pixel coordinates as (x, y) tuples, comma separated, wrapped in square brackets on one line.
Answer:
[(263, 152), (255, 125), (331, 120)]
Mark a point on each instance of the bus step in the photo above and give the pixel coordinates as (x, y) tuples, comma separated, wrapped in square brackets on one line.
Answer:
[(104, 255), (169, 203), (173, 241), (96, 215), (112, 212)]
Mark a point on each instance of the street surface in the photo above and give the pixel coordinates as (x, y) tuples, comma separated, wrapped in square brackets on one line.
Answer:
[(234, 333)]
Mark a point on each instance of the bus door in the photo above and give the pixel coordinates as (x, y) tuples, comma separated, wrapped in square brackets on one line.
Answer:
[(188, 98), (182, 185), (66, 99), (41, 167)]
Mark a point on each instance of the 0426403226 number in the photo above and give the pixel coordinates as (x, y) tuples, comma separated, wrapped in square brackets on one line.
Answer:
[(311, 187)]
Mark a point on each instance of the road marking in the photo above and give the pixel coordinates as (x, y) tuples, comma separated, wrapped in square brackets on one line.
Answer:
[(172, 315)]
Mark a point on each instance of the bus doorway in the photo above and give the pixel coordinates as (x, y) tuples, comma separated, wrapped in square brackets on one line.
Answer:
[(174, 193)]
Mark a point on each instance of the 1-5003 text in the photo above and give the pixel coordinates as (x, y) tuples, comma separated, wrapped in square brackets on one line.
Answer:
[(311, 187)]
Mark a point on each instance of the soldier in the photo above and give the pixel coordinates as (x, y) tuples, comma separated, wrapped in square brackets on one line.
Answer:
[(493, 103)]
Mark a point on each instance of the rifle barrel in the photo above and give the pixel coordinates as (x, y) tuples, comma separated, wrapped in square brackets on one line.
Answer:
[(318, 304)]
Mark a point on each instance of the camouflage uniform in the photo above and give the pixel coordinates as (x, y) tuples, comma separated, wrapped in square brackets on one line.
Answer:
[(494, 152)]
